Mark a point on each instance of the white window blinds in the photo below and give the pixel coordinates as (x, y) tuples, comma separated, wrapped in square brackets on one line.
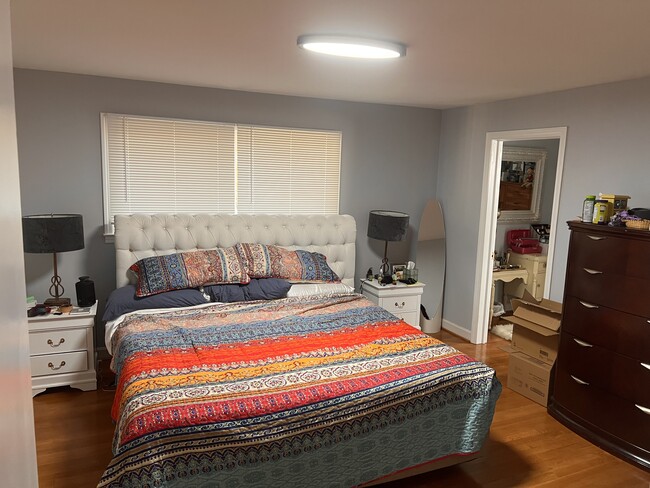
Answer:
[(287, 170), (155, 165)]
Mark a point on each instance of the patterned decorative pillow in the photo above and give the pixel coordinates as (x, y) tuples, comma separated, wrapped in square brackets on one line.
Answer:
[(158, 274), (268, 261)]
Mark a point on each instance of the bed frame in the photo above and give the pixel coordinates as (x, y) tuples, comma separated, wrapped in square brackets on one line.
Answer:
[(140, 236)]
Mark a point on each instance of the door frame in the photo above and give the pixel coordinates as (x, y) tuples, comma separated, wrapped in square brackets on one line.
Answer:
[(482, 309)]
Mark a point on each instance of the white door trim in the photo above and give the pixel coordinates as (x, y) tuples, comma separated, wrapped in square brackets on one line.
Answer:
[(488, 219)]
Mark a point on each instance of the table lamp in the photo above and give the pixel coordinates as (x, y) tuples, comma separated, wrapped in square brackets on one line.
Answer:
[(387, 225), (53, 233)]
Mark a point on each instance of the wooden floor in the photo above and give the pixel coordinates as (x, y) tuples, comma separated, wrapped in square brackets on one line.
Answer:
[(526, 446)]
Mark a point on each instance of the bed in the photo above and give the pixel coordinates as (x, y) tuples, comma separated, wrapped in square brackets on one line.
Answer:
[(318, 389)]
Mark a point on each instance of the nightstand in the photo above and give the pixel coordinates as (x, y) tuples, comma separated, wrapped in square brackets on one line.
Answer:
[(401, 300), (62, 351)]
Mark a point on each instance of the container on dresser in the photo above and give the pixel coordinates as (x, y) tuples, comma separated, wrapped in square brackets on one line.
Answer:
[(602, 382), (61, 349), (401, 300)]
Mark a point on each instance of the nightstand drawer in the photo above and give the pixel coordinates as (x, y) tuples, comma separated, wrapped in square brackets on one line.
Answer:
[(49, 364), (411, 318), (57, 341), (400, 304)]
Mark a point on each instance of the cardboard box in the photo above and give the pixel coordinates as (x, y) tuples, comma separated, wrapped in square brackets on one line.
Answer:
[(536, 327), (529, 377)]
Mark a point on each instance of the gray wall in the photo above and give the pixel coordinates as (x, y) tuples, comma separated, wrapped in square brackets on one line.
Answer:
[(607, 151), (389, 157)]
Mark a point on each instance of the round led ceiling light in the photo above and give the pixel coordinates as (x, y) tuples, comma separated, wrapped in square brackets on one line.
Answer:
[(352, 47)]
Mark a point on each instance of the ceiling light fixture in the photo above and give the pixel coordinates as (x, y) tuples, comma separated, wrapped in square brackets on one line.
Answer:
[(352, 47)]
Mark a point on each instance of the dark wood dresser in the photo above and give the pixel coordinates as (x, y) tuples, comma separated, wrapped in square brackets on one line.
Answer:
[(602, 378)]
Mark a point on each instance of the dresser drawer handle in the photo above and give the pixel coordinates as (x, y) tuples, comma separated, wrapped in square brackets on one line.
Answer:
[(400, 306), (590, 305), (643, 409), (596, 238), (592, 271), (578, 380), (52, 367), (61, 341), (645, 365), (583, 343)]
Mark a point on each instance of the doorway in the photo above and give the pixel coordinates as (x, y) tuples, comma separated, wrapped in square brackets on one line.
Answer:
[(488, 220)]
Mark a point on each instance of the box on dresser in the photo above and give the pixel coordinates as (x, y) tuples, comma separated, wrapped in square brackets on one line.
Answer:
[(602, 379)]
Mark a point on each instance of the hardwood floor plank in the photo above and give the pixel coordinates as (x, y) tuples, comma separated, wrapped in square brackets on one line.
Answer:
[(526, 446)]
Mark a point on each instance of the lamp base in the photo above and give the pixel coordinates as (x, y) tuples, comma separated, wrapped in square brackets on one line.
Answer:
[(57, 302)]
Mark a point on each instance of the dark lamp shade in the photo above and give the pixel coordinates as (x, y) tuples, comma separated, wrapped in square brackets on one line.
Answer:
[(387, 225), (48, 233)]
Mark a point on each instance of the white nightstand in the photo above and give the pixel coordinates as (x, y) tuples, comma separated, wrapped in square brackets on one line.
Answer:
[(401, 300), (62, 351)]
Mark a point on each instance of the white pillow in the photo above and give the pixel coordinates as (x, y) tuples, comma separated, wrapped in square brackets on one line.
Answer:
[(309, 289)]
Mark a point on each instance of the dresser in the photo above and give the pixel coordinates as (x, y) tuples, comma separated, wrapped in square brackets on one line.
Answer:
[(62, 351), (602, 378), (400, 299), (535, 264)]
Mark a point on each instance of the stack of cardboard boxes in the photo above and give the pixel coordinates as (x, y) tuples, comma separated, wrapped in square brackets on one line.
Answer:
[(535, 341)]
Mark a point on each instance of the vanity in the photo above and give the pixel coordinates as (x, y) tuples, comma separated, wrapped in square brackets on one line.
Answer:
[(535, 266)]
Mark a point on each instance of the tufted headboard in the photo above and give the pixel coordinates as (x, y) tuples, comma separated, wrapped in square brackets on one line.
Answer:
[(140, 236)]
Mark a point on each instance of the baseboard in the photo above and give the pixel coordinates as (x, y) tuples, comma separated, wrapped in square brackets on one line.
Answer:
[(456, 329)]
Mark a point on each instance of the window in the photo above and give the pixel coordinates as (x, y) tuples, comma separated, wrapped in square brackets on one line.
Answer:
[(153, 165)]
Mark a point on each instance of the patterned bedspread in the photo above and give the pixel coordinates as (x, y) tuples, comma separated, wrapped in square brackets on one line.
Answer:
[(297, 392)]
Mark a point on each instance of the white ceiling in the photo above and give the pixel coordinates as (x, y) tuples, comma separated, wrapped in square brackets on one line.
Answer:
[(460, 52)]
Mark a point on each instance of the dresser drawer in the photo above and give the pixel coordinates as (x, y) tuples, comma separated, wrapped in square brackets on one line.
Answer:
[(68, 362), (400, 304), (625, 256), (55, 341), (624, 293), (617, 416), (622, 376), (618, 331)]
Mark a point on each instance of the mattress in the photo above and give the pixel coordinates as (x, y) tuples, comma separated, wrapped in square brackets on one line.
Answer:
[(306, 391)]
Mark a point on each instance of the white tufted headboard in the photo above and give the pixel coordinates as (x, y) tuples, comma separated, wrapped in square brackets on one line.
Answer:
[(140, 236)]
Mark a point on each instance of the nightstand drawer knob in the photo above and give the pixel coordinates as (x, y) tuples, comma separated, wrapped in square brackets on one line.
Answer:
[(596, 238), (645, 365), (588, 305), (400, 306), (52, 367), (582, 343), (61, 341)]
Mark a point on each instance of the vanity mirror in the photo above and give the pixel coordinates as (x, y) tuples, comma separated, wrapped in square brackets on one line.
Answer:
[(520, 185)]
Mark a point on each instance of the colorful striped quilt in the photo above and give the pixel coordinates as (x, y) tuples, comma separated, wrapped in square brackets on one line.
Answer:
[(317, 391)]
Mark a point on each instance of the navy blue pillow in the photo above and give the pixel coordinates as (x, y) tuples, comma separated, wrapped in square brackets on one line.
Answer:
[(257, 289), (123, 300)]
